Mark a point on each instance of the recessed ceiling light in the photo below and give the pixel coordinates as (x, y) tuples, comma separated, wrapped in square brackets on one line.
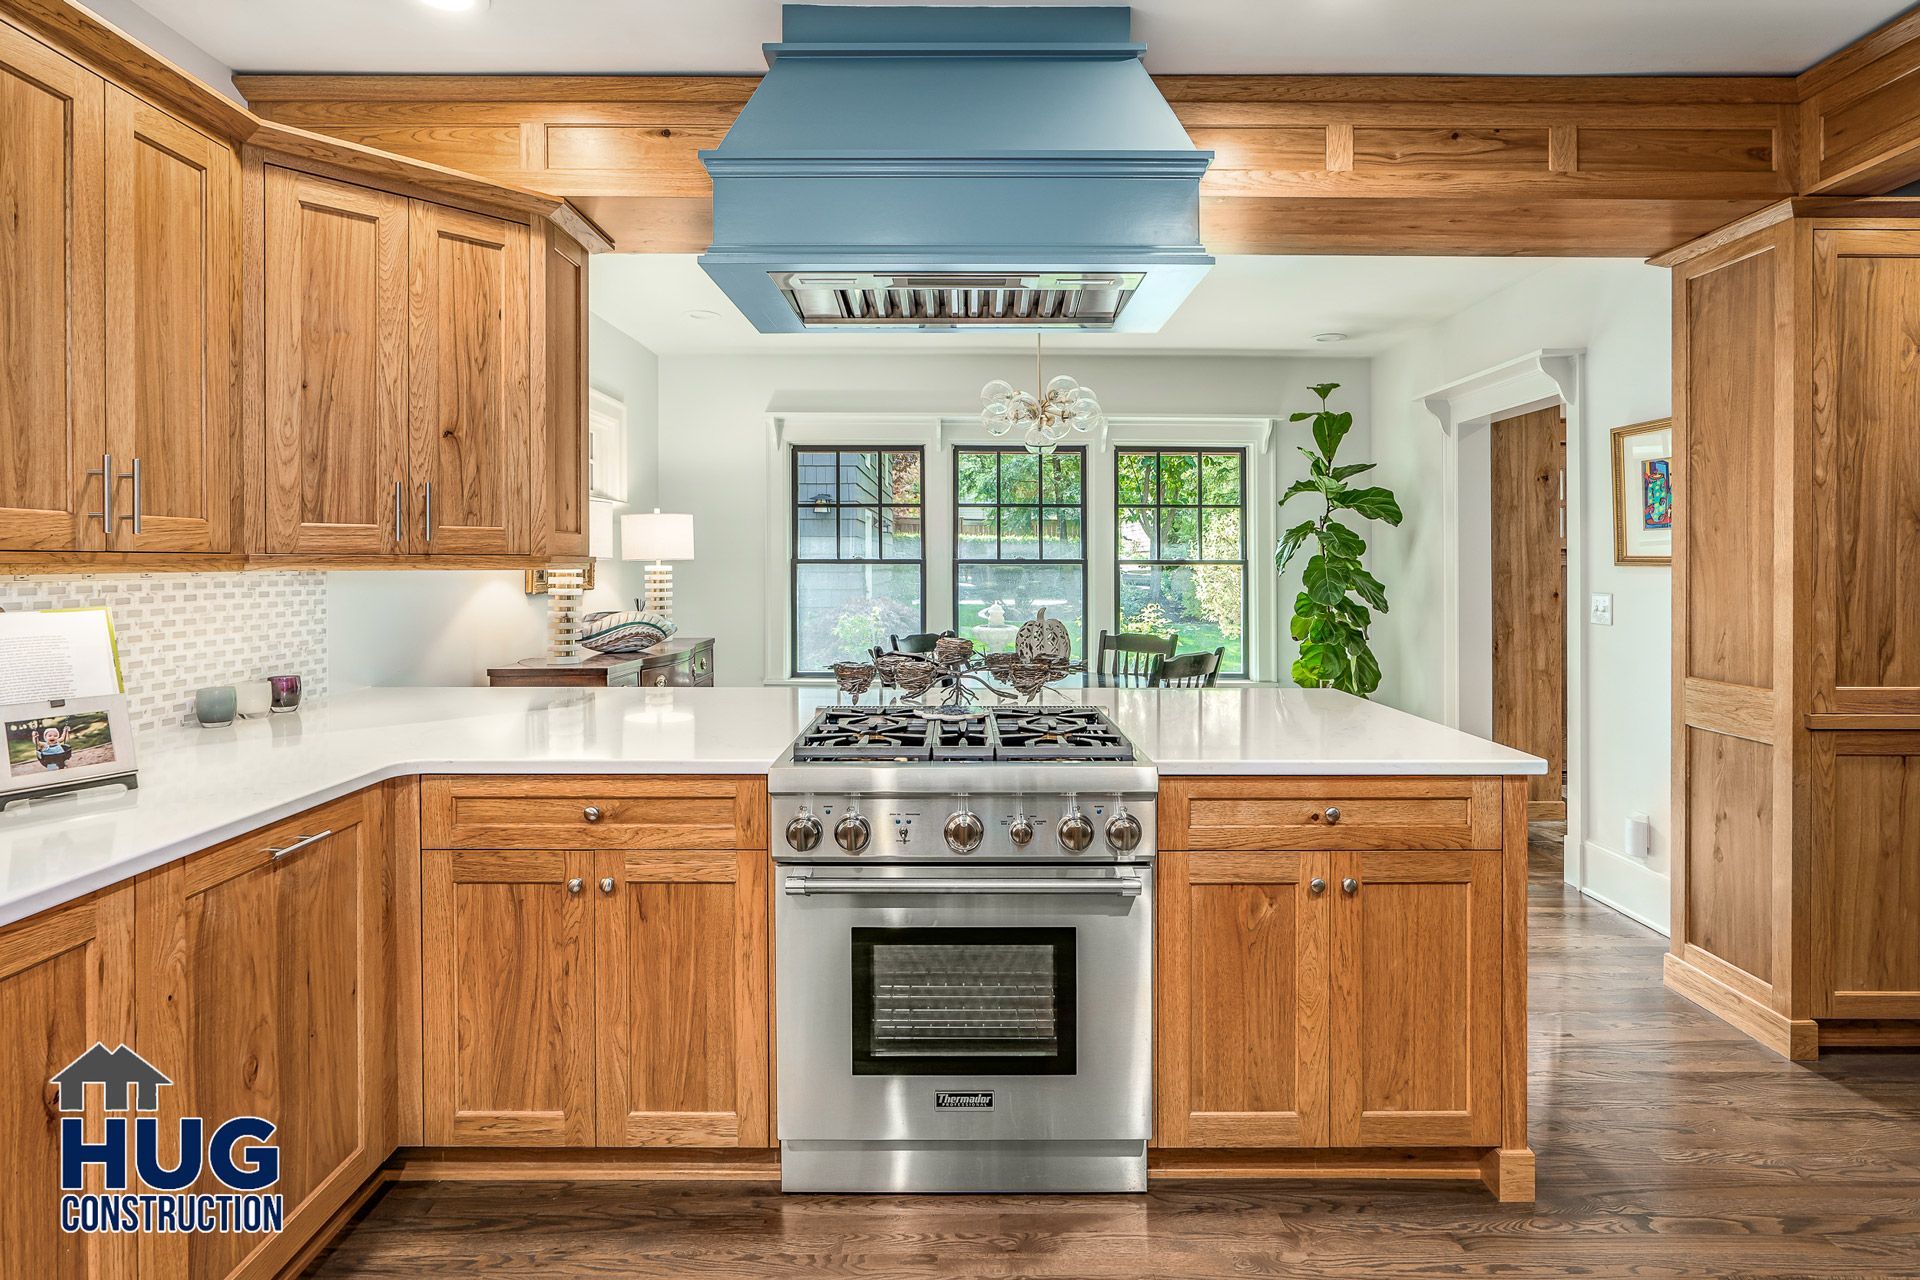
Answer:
[(1329, 337), (703, 315), (456, 6)]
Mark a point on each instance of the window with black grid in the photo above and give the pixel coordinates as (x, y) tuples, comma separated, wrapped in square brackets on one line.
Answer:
[(859, 552), (1180, 531), (1019, 542)]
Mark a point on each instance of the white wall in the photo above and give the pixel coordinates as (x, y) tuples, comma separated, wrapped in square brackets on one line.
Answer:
[(1620, 314), (715, 449), (167, 42), (439, 626)]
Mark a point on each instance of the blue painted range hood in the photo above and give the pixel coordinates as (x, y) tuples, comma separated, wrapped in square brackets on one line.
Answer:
[(956, 168)]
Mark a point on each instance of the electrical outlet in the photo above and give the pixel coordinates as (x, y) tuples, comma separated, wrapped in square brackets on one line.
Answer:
[(1600, 612)]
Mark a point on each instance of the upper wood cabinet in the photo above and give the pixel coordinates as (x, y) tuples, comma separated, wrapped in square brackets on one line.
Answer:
[(335, 287), (172, 252), (52, 429), (562, 400), (263, 989), (469, 390)]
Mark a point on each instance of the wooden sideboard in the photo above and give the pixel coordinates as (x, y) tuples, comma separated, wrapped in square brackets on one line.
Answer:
[(678, 661)]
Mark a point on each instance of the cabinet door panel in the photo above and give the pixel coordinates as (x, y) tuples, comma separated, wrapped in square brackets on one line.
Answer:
[(170, 254), (509, 1014), (1867, 876), (336, 367), (469, 382), (264, 992), (1242, 1009), (682, 947), (64, 983), (563, 412), (1416, 999), (51, 288)]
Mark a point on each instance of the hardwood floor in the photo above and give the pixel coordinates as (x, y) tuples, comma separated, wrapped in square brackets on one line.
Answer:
[(1669, 1146)]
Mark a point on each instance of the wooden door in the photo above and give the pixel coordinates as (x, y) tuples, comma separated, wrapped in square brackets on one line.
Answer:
[(336, 368), (172, 242), (1866, 875), (65, 983), (52, 432), (508, 995), (265, 973), (1415, 1010), (563, 411), (1241, 1031), (468, 383), (1529, 599), (681, 964)]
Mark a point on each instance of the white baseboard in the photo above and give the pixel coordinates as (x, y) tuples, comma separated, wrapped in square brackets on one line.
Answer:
[(1628, 886)]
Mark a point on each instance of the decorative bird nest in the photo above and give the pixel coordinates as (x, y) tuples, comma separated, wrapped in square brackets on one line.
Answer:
[(953, 674)]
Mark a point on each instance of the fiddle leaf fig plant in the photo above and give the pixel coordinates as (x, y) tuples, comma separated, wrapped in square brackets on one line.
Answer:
[(1335, 608)]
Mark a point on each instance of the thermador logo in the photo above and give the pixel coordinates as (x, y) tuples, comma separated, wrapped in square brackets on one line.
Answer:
[(967, 1100)]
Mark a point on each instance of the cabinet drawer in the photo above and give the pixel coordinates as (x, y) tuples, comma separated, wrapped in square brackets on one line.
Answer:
[(1330, 813), (593, 811)]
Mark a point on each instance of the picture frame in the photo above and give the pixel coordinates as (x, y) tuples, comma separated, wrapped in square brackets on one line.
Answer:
[(1643, 494), (65, 744)]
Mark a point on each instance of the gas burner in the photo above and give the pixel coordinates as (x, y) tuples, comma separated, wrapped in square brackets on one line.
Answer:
[(1059, 733), (961, 734), (853, 733)]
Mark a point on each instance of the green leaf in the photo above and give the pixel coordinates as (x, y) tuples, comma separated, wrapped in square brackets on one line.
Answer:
[(1369, 588), (1326, 580), (1329, 429), (1299, 417), (1364, 671), (1338, 540), (1297, 627), (1290, 543), (1327, 663), (1374, 504), (1297, 488), (1351, 469), (1324, 389)]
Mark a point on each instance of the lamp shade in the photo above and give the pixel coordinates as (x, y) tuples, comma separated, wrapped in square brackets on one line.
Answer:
[(653, 536), (600, 529)]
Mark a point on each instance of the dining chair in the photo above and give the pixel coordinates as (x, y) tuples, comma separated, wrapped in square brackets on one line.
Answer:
[(1130, 656), (919, 642), (1188, 670)]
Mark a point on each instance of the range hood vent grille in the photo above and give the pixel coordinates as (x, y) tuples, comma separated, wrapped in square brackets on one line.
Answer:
[(982, 300)]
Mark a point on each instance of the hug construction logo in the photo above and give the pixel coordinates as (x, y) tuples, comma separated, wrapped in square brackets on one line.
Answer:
[(142, 1194)]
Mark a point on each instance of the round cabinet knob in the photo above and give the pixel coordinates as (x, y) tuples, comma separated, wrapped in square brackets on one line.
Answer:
[(1316, 886), (1349, 886), (1076, 832), (1020, 831), (803, 833), (852, 832), (1123, 832), (591, 813), (1333, 815), (575, 885), (606, 884), (964, 832)]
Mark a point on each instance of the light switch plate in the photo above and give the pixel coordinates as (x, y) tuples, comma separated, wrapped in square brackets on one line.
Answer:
[(1600, 613)]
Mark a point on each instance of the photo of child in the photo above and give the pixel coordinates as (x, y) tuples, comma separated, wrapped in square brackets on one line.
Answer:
[(51, 743)]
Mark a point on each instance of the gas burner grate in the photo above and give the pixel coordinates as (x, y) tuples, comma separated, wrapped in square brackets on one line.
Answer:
[(859, 733), (851, 734), (1058, 733)]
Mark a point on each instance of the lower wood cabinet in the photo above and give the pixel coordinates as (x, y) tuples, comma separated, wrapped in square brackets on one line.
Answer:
[(1329, 999), (609, 997), (65, 983), (264, 979)]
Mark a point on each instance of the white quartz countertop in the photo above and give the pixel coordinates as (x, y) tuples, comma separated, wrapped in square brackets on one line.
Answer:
[(199, 787)]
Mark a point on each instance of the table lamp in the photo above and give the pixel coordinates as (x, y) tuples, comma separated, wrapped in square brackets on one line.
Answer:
[(657, 538)]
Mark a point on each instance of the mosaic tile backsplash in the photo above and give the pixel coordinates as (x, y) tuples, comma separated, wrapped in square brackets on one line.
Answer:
[(180, 631)]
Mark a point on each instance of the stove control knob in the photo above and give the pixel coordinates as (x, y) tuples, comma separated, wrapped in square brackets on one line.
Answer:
[(1076, 831), (1123, 832), (964, 831), (852, 833), (1020, 831), (803, 833)]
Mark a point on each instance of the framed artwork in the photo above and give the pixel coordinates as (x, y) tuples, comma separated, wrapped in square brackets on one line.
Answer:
[(1643, 493)]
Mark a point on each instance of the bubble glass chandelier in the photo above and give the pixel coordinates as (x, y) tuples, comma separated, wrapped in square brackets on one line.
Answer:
[(1046, 419)]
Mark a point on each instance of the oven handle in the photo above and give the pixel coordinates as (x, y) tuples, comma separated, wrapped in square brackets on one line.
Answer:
[(1122, 887)]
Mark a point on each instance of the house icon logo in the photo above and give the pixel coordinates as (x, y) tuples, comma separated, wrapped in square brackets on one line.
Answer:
[(118, 1072)]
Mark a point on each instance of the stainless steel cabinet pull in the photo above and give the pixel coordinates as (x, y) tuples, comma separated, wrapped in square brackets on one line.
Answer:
[(1333, 815), (1123, 887), (105, 514), (591, 813), (299, 844), (1349, 886), (606, 884), (134, 475), (1316, 886), (575, 885), (399, 530), (428, 515)]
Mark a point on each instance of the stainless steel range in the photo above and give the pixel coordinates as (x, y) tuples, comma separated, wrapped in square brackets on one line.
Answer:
[(964, 928)]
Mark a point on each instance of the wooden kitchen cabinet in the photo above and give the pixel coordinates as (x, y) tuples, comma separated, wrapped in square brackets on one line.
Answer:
[(335, 374), (561, 404), (469, 394), (681, 978), (172, 248), (52, 293), (264, 988), (66, 980)]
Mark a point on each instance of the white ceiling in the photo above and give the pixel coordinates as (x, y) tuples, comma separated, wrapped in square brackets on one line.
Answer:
[(1198, 36), (1246, 304)]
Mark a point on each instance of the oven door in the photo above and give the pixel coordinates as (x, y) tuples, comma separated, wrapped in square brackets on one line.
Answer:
[(955, 1003)]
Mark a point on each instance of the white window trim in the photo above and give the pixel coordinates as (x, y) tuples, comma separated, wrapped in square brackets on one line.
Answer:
[(607, 444), (936, 436)]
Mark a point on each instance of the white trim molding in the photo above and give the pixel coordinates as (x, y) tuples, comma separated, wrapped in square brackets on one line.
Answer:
[(1464, 409)]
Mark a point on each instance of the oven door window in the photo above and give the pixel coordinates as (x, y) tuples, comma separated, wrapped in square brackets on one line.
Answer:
[(963, 1002)]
